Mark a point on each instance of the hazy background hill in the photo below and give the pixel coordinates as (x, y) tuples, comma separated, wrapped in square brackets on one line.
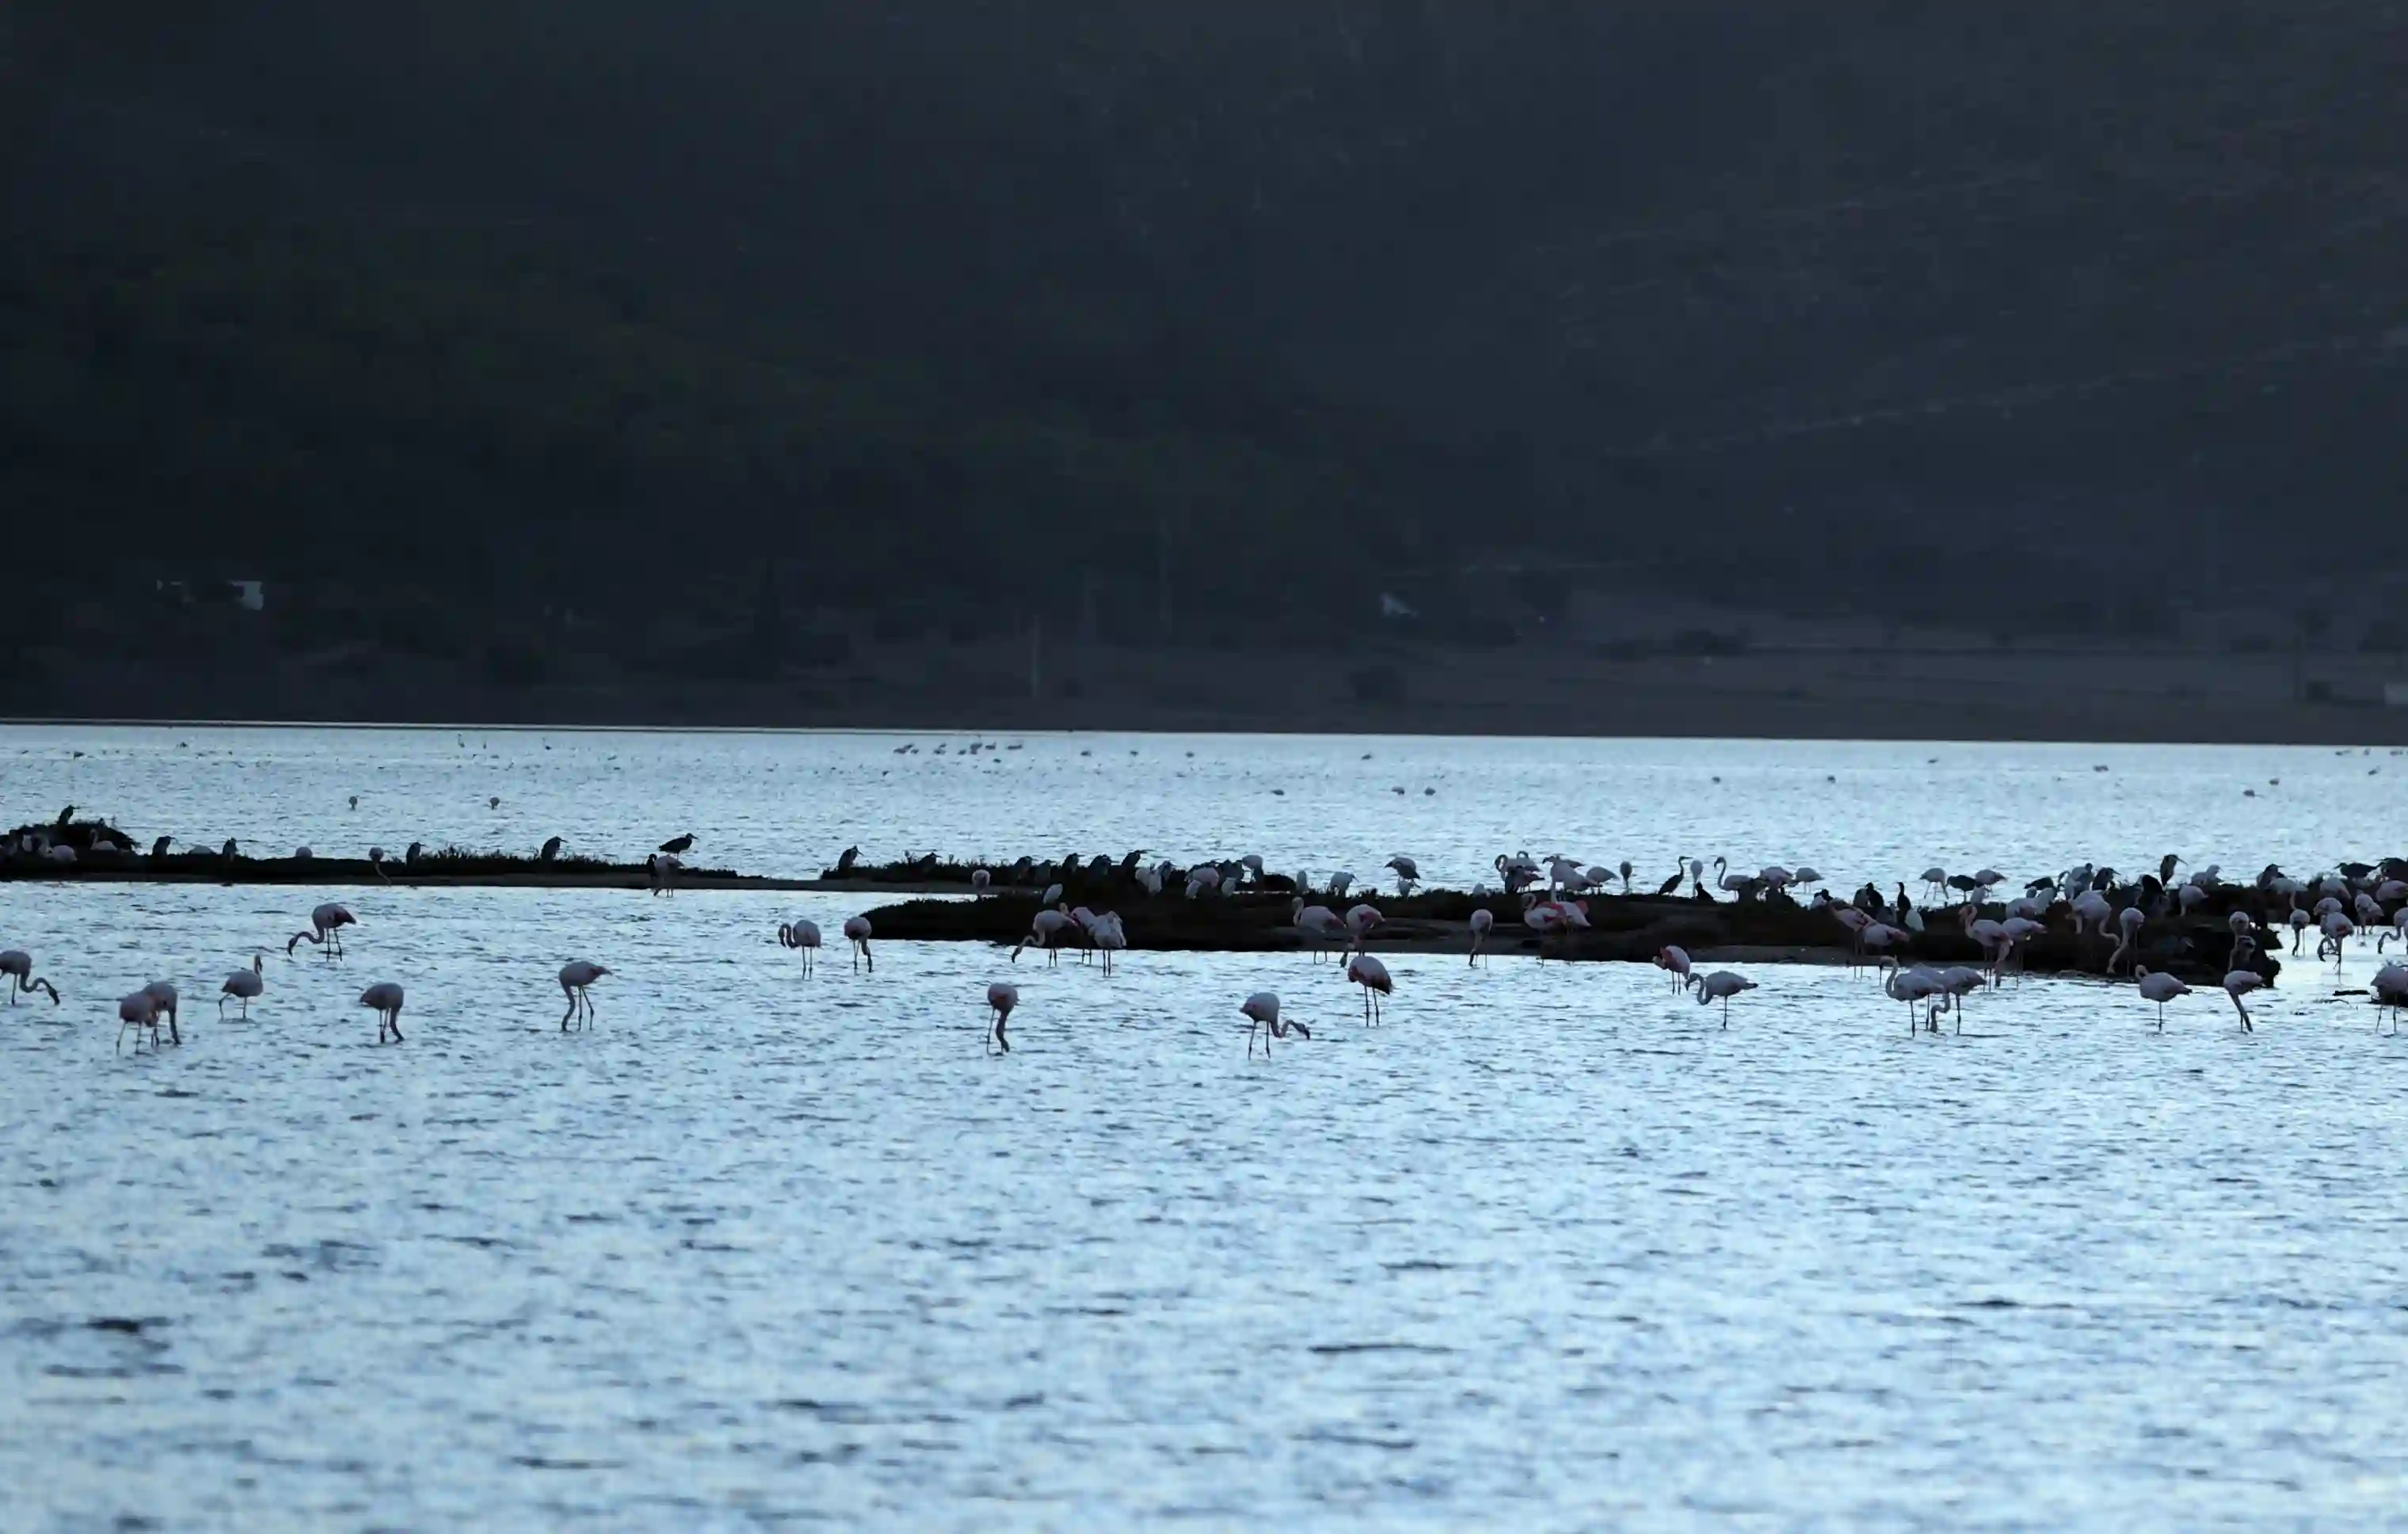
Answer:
[(724, 329)]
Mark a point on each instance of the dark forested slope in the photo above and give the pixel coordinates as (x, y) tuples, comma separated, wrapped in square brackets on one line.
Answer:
[(1829, 304)]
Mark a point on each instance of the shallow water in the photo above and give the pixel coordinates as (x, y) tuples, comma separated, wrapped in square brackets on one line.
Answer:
[(1550, 1249)]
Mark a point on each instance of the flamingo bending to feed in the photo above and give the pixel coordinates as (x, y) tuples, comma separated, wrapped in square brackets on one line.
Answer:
[(18, 965), (163, 999), (1262, 1011), (2160, 988), (1483, 922), (1046, 930), (1721, 986), (326, 924), (243, 986), (1000, 999), (137, 1012), (1914, 987), (385, 997), (856, 932), (2238, 983), (804, 936), (575, 976), (1371, 974)]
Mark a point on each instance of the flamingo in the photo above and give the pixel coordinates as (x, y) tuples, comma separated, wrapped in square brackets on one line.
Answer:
[(981, 879), (1262, 1010), (1360, 920), (1483, 922), (2237, 983), (1319, 923), (575, 976), (1371, 974), (801, 935), (242, 985), (1935, 882), (385, 997), (1961, 982), (18, 965), (163, 999), (1674, 959), (2390, 987), (1045, 930), (326, 924), (1721, 985), (1109, 937), (1914, 987), (2160, 988), (137, 1012), (856, 932), (2129, 921), (1736, 884), (1000, 999), (2017, 931), (2091, 910)]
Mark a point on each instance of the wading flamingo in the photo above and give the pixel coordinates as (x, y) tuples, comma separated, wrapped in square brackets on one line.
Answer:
[(243, 986), (1262, 1011), (385, 997), (856, 932), (575, 976)]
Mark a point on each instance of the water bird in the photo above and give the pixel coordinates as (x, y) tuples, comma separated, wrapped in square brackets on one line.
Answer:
[(1482, 920), (1319, 923), (1000, 999), (676, 845), (550, 849), (1262, 1013), (242, 985), (2390, 988), (2238, 983), (1721, 985), (1674, 959), (1914, 987), (137, 1012), (802, 934), (385, 997), (1408, 873), (18, 965), (575, 976), (856, 931), (1371, 974), (326, 924), (2159, 987), (162, 1002)]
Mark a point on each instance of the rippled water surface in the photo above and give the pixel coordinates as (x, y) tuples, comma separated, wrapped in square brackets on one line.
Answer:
[(1550, 1249)]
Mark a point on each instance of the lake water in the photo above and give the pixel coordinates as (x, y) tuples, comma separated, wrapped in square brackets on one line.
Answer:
[(1549, 1250)]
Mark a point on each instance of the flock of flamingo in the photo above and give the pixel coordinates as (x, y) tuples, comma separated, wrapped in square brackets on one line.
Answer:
[(2338, 906)]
